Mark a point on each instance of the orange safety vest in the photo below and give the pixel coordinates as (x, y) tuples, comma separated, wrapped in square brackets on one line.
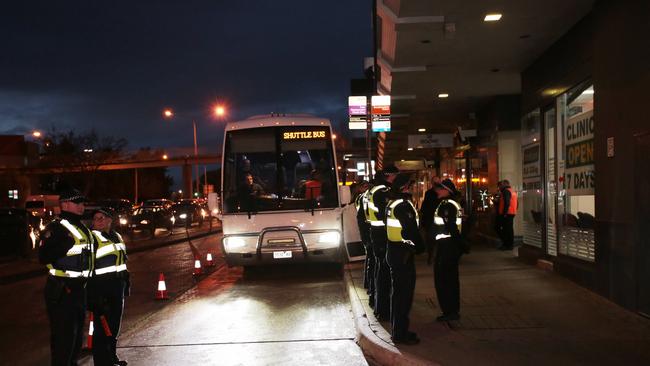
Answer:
[(512, 209), (312, 189)]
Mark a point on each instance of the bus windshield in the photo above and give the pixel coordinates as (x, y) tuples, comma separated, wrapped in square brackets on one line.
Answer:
[(279, 168)]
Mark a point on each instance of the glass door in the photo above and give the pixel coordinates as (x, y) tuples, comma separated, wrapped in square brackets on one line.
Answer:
[(550, 193)]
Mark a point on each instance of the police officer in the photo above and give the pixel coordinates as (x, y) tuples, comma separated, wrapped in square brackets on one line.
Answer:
[(107, 288), (377, 201), (66, 249), (447, 221), (360, 202), (404, 241)]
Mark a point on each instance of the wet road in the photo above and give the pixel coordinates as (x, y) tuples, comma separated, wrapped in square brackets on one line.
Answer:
[(24, 329), (297, 315)]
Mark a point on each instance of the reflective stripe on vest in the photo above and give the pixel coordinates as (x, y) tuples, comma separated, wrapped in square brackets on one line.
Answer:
[(70, 274), (372, 210), (109, 257), (64, 267), (439, 222), (110, 269), (393, 226), (512, 208)]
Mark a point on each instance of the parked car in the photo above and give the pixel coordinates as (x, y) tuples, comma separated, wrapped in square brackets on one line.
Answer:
[(187, 212), (158, 202), (123, 210), (150, 218)]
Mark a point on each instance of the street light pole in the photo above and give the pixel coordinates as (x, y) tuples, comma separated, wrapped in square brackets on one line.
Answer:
[(196, 162)]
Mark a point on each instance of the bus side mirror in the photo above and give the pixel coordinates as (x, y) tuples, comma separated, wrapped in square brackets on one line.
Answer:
[(344, 195)]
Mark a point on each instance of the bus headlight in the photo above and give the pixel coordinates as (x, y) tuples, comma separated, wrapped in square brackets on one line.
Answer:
[(233, 242), (331, 237)]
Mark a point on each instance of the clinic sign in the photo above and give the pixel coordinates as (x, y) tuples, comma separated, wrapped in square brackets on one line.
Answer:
[(579, 173)]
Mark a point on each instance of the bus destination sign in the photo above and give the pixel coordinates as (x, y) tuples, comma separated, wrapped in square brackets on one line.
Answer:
[(295, 135)]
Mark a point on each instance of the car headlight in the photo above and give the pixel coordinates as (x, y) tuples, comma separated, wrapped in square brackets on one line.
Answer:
[(331, 237), (144, 222), (172, 219), (234, 242), (183, 216), (123, 221)]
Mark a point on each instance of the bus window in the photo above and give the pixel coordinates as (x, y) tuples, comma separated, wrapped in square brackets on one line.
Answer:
[(280, 161)]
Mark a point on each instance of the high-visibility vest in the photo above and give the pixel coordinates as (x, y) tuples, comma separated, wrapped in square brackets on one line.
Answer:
[(110, 257), (312, 189), (78, 260), (358, 202), (393, 226), (364, 205), (439, 222), (512, 209), (372, 210)]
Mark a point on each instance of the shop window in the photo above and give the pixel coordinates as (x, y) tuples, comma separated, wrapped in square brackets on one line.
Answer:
[(575, 151), (531, 193)]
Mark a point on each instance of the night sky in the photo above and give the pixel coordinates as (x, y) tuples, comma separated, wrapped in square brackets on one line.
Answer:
[(114, 65)]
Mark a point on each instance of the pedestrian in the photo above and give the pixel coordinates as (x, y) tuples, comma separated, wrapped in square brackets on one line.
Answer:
[(507, 212), (427, 208), (107, 288), (364, 231), (447, 221), (498, 222), (66, 248), (404, 241), (377, 200)]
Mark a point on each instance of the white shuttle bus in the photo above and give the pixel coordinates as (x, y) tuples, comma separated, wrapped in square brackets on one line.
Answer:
[(293, 210)]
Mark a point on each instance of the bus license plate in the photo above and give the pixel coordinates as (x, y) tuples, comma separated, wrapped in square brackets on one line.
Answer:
[(278, 255)]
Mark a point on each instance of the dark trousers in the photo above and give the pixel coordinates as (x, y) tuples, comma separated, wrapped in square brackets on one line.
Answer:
[(107, 302), (382, 273), (445, 275), (65, 301), (402, 274), (369, 271), (498, 226), (507, 231)]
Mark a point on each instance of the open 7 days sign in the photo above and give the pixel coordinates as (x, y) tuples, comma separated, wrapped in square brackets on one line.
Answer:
[(579, 154)]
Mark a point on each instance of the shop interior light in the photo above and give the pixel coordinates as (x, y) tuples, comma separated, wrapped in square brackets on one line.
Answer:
[(422, 129), (443, 95), (492, 17), (410, 149)]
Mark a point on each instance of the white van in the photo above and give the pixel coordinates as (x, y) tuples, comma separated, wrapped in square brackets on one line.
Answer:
[(42, 205)]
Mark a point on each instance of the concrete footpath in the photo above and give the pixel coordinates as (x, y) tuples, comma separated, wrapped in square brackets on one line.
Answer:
[(511, 314), (17, 268)]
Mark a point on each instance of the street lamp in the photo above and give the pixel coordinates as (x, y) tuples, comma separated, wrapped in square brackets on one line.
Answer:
[(37, 134), (219, 111)]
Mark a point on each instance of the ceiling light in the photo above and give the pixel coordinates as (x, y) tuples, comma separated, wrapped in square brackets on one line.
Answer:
[(422, 129), (410, 149), (443, 95), (492, 17)]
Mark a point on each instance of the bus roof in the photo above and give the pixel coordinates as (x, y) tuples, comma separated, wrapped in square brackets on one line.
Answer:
[(281, 120)]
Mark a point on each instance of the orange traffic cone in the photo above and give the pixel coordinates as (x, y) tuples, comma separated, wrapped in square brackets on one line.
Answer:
[(161, 294), (91, 330), (209, 261), (197, 267)]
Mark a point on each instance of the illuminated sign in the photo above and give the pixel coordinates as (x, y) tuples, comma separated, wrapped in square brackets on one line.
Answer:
[(379, 113), (304, 135)]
